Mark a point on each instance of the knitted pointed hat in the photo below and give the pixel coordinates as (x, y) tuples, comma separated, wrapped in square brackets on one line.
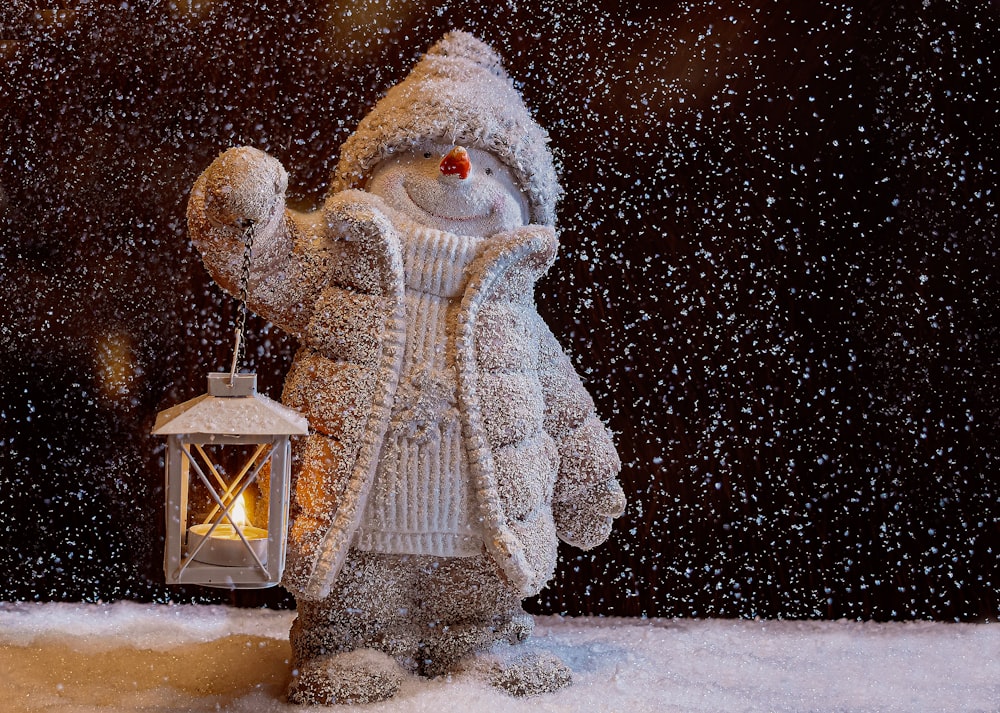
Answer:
[(458, 93)]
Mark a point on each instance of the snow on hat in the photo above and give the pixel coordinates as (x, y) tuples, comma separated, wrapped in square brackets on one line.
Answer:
[(458, 93)]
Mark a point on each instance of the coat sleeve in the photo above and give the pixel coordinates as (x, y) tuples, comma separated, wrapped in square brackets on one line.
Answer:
[(587, 455)]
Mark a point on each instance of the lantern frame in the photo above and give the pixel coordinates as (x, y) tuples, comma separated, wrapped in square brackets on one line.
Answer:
[(231, 413)]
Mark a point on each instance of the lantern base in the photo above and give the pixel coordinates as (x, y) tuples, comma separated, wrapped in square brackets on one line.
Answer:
[(242, 585), (220, 577)]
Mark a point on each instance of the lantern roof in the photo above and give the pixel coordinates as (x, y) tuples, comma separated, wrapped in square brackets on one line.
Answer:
[(231, 407)]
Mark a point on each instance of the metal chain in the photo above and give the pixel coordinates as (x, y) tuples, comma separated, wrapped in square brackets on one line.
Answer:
[(241, 310)]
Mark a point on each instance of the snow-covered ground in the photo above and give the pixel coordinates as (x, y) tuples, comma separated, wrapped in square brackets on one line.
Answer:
[(76, 658)]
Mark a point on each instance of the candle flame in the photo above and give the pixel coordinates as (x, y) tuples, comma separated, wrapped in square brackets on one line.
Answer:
[(239, 512)]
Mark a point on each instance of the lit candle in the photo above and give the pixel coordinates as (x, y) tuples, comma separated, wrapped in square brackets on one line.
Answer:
[(225, 547)]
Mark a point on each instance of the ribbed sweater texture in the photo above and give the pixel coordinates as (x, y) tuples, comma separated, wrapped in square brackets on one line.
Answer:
[(421, 502)]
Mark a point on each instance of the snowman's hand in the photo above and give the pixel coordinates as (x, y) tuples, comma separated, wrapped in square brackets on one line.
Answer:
[(585, 520), (243, 186)]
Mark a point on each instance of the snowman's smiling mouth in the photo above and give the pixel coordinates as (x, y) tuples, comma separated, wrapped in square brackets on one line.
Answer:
[(451, 218)]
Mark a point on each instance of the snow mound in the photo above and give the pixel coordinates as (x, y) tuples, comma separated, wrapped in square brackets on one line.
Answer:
[(106, 658)]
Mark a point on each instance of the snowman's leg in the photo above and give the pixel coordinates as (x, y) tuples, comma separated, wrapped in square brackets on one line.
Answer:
[(474, 622), (465, 607), (356, 645)]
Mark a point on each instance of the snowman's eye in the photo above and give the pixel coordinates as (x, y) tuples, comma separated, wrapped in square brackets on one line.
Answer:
[(427, 154), (488, 171)]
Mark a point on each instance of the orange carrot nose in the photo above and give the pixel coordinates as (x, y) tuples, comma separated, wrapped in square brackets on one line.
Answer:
[(456, 163)]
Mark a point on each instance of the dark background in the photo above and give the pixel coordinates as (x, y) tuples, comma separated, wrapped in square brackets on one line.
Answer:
[(778, 276)]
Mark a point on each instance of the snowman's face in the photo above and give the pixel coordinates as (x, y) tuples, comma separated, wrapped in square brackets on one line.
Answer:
[(426, 186)]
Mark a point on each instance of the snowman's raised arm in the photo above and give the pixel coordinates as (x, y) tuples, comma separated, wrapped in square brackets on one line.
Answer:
[(245, 188)]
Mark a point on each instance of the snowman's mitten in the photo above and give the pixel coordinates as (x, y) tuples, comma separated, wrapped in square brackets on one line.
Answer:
[(585, 520), (242, 186)]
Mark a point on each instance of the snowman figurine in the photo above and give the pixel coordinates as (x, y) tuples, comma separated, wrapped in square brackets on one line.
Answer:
[(451, 441)]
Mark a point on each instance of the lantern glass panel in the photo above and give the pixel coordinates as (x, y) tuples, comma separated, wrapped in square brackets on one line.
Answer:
[(228, 497)]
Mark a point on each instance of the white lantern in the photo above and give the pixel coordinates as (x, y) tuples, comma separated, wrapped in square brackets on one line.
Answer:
[(222, 447)]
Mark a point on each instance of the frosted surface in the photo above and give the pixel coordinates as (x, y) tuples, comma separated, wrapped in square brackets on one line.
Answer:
[(131, 657)]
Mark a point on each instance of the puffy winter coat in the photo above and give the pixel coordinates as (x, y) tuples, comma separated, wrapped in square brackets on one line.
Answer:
[(534, 442)]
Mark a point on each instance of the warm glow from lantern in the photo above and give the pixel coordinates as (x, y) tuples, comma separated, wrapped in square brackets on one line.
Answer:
[(239, 512), (209, 536), (193, 9), (116, 368), (225, 546)]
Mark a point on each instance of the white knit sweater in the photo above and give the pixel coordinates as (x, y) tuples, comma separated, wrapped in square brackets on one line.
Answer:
[(421, 502)]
